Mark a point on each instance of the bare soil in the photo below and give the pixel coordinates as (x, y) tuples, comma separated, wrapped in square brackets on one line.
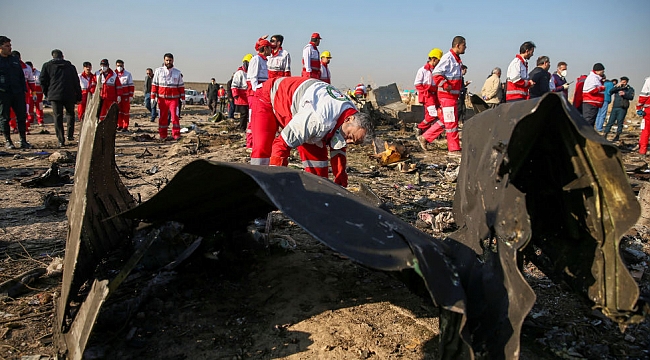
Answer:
[(289, 301)]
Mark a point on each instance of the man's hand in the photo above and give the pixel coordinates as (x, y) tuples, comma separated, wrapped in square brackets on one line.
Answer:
[(621, 93), (565, 86), (640, 112)]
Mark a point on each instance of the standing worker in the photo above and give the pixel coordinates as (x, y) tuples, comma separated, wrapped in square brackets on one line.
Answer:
[(427, 95), (128, 89), (36, 111), (623, 94), (491, 87), (213, 97), (258, 73), (643, 109), (239, 90), (111, 88), (517, 78), (279, 62), (325, 74), (593, 93), (311, 58), (87, 82), (61, 87), (168, 90), (147, 95), (221, 94), (29, 82)]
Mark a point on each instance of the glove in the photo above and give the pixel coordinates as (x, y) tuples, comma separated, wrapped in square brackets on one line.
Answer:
[(640, 112), (119, 98), (565, 86)]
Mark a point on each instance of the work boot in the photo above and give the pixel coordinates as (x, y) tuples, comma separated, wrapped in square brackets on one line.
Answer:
[(24, 144), (9, 145), (423, 142)]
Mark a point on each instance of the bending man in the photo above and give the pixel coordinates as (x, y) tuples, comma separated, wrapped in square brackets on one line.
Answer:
[(315, 116)]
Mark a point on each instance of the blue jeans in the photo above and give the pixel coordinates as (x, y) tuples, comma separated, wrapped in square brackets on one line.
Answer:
[(147, 104), (231, 109), (600, 118)]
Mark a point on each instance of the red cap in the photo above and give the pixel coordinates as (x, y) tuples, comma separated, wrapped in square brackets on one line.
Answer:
[(316, 36), (260, 43)]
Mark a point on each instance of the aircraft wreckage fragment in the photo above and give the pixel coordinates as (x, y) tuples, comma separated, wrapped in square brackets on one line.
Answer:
[(535, 180)]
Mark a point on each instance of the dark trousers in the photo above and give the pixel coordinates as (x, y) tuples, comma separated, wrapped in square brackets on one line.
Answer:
[(147, 104), (231, 108), (617, 115), (243, 116), (212, 105), (57, 108), (590, 112), (222, 105), (16, 102)]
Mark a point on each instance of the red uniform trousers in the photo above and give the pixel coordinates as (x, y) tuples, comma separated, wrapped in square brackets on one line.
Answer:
[(448, 123), (430, 114), (12, 116), (168, 106), (125, 113), (252, 102), (104, 110), (645, 134), (81, 108), (36, 109)]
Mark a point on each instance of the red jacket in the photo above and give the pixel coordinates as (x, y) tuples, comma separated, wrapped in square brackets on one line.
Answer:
[(111, 86), (427, 90), (593, 91), (577, 95), (239, 87), (311, 55), (88, 83), (518, 83), (447, 75), (325, 74)]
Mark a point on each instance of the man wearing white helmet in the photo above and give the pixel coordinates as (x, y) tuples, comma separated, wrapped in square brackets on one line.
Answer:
[(427, 95)]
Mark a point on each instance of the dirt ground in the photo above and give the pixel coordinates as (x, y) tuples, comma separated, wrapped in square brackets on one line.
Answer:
[(296, 299)]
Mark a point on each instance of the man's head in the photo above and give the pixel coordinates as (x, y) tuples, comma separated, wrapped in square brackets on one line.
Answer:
[(150, 72), (463, 69), (315, 38), (57, 54), (497, 71), (624, 81), (263, 47), (276, 41), (5, 46), (325, 57), (103, 65), (615, 81), (169, 60), (88, 67), (527, 49), (459, 45), (599, 69), (212, 81), (544, 62), (356, 128), (119, 65), (434, 56), (246, 60), (29, 63), (16, 54), (561, 68)]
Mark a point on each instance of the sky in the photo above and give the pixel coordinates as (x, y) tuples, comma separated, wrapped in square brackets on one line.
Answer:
[(374, 42)]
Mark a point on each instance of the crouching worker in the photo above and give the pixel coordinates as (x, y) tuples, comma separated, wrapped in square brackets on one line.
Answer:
[(314, 116)]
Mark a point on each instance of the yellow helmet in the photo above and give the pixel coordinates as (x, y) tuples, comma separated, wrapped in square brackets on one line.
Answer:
[(248, 58), (326, 54), (435, 53)]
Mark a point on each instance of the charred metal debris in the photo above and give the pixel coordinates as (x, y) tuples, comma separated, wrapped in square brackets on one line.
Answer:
[(535, 180)]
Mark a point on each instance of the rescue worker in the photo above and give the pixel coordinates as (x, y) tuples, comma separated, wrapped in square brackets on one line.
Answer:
[(221, 93), (29, 81), (593, 93), (279, 62), (643, 109), (239, 90), (36, 110), (128, 89), (13, 88), (314, 116), (517, 80), (325, 74), (311, 58), (577, 94), (168, 91), (256, 75), (111, 89), (88, 83), (447, 75), (427, 95), (360, 91)]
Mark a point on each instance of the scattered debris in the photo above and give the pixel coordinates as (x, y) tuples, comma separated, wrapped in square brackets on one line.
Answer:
[(62, 157), (51, 177), (143, 137), (52, 204)]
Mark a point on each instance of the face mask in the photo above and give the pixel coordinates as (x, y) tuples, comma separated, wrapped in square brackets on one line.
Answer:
[(120, 68), (563, 73), (104, 68)]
